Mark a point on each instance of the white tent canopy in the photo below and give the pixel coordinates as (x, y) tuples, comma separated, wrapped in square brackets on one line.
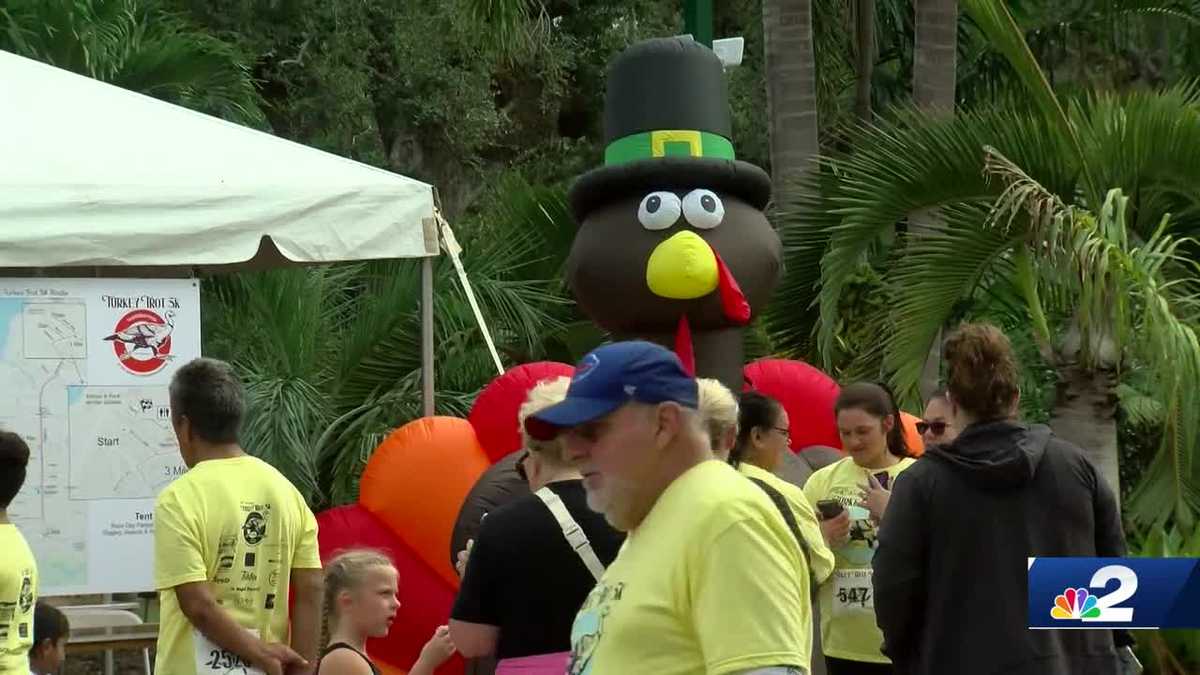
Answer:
[(94, 175)]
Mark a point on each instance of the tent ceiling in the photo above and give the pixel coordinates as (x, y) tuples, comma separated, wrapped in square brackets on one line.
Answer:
[(92, 175)]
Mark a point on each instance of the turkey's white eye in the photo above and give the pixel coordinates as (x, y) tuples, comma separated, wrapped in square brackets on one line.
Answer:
[(659, 210), (703, 209)]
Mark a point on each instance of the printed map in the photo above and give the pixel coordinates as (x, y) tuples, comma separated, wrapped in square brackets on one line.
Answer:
[(101, 445)]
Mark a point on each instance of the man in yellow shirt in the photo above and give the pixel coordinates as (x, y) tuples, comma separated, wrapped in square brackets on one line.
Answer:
[(18, 571), (232, 535), (710, 579)]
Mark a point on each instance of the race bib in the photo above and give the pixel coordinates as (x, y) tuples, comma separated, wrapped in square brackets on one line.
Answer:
[(852, 591), (213, 660)]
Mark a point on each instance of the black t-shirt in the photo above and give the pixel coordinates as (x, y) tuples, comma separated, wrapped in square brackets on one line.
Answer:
[(524, 577)]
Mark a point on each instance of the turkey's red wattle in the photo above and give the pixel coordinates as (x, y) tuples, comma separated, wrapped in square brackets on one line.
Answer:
[(683, 345), (733, 301)]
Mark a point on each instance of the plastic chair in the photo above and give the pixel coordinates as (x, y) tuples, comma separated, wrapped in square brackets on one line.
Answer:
[(104, 617)]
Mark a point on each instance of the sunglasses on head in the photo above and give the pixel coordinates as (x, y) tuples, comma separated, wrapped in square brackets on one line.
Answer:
[(938, 428)]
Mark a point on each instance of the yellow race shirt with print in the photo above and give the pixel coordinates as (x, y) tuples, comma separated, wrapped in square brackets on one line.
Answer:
[(710, 582), (848, 629), (18, 591), (240, 525), (820, 557)]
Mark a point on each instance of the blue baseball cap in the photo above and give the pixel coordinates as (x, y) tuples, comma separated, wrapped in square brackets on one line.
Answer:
[(611, 376)]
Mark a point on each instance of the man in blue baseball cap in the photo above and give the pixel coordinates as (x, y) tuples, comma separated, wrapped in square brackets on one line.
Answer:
[(710, 579)]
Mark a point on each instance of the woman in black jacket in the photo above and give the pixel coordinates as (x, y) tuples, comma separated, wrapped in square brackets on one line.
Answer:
[(950, 572)]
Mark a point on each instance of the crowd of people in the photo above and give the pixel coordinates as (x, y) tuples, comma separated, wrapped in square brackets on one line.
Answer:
[(657, 538)]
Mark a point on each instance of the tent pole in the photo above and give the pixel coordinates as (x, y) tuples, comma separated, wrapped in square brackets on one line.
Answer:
[(427, 335)]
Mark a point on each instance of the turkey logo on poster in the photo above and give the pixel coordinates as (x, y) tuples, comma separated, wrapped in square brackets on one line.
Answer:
[(142, 341)]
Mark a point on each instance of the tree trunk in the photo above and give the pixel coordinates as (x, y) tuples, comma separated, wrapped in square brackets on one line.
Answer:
[(864, 39), (1085, 413), (791, 92), (935, 50), (1085, 404), (934, 53)]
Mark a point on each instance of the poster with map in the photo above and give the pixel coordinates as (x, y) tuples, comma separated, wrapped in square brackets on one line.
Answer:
[(84, 369)]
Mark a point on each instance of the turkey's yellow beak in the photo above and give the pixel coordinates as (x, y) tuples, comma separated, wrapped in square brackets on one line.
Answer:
[(682, 268)]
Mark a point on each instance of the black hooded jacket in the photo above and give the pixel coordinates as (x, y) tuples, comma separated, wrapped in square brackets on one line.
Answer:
[(950, 571)]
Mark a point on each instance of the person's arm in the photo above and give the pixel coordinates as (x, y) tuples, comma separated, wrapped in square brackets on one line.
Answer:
[(898, 575), (749, 569), (306, 612), (308, 582), (474, 640), (475, 618)]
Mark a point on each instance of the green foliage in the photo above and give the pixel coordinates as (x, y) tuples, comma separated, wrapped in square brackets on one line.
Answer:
[(426, 89), (138, 45), (331, 354)]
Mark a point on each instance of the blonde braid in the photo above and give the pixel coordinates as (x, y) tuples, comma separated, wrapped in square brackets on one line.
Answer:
[(344, 572)]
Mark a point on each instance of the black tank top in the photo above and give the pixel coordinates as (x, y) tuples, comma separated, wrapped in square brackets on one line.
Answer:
[(343, 645)]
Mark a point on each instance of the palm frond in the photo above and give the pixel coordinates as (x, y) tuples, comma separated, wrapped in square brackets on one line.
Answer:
[(912, 163), (138, 45), (997, 23), (938, 271)]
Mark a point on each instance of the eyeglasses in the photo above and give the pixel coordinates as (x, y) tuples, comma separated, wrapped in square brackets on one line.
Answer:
[(520, 466), (787, 433), (938, 428)]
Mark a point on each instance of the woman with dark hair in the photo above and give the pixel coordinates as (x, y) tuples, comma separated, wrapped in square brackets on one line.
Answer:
[(937, 426), (852, 495), (762, 438), (964, 521)]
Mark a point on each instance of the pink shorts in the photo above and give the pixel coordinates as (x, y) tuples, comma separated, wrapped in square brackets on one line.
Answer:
[(542, 664)]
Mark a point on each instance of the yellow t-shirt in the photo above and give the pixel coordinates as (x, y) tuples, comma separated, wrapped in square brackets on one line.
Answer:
[(18, 591), (821, 558), (710, 582), (240, 525), (848, 629)]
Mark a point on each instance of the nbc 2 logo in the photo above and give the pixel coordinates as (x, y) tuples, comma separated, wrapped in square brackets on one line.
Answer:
[(1080, 604), (1101, 593)]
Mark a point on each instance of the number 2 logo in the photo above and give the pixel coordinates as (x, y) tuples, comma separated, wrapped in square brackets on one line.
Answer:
[(1109, 603)]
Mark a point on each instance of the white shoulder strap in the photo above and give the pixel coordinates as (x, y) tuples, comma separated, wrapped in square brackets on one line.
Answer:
[(575, 535)]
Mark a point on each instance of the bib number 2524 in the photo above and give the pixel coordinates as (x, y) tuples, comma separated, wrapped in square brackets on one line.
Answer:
[(213, 660)]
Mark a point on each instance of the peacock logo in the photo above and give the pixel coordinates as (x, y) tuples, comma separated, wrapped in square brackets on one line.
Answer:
[(1075, 603)]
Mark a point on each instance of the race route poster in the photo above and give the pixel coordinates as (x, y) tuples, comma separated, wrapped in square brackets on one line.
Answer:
[(84, 369)]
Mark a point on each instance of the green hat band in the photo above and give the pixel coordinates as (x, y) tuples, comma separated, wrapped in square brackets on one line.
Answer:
[(667, 143)]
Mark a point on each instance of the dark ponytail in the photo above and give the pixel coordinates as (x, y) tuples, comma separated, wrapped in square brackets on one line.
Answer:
[(755, 411), (877, 400)]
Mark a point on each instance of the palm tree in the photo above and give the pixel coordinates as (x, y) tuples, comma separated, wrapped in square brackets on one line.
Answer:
[(934, 52), (137, 45), (1135, 142), (791, 92), (331, 354), (864, 56)]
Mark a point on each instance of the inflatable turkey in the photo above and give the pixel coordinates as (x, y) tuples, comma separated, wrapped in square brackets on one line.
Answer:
[(673, 245)]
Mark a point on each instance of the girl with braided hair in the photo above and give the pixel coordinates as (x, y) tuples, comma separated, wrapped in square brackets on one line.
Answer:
[(360, 602)]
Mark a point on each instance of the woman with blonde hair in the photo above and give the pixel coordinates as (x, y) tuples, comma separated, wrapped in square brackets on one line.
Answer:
[(963, 522), (719, 410)]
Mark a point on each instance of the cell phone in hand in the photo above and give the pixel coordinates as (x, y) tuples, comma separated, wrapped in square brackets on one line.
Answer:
[(883, 477), (830, 508)]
